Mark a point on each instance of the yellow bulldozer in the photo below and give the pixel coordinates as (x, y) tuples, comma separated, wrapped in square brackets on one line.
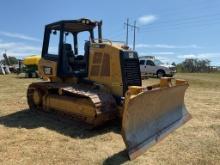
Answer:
[(98, 80)]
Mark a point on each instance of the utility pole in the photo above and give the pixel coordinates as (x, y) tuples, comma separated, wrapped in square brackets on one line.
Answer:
[(134, 27), (127, 24)]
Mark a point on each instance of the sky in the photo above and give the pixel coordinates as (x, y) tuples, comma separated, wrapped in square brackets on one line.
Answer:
[(171, 30)]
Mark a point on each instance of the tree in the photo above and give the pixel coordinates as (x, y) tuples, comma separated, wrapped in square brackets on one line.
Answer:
[(173, 63), (12, 59), (194, 65)]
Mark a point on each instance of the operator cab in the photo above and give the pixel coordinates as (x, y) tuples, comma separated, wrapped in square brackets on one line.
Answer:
[(67, 43)]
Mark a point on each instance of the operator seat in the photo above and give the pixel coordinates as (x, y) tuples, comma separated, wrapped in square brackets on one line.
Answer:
[(68, 57), (69, 53)]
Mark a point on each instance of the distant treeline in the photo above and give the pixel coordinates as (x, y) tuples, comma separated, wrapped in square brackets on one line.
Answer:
[(195, 65), (13, 60)]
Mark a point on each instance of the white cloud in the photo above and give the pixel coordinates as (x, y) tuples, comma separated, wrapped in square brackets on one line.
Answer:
[(147, 19), (162, 56), (18, 49), (7, 45), (165, 59), (29, 48), (155, 53), (200, 55), (19, 36), (187, 56), (162, 53), (167, 46)]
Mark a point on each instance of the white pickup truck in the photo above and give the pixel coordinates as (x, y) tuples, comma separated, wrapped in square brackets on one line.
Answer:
[(152, 66)]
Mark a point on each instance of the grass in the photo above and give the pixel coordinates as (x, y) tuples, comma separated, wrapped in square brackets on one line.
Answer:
[(40, 138)]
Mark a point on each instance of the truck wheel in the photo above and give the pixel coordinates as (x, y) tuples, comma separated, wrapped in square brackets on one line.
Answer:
[(160, 73)]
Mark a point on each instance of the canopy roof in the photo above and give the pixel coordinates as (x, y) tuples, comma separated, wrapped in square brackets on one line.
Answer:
[(79, 25)]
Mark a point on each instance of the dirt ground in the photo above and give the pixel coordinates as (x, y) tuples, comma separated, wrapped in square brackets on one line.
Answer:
[(28, 137)]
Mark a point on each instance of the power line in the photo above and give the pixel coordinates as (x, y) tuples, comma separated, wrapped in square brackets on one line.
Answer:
[(183, 22), (184, 9), (180, 26), (134, 34), (189, 19), (178, 22), (191, 23)]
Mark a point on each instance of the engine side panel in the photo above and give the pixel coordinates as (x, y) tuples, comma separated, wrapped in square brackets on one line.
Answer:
[(105, 67)]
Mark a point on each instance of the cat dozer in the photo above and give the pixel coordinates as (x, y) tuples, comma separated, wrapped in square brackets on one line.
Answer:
[(98, 80)]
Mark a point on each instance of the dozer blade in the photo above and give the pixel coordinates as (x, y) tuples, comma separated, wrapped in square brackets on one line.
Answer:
[(152, 113)]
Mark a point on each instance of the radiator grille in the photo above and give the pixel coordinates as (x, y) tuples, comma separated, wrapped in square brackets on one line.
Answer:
[(132, 72)]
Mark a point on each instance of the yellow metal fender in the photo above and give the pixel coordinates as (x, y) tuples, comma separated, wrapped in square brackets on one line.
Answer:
[(152, 113)]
